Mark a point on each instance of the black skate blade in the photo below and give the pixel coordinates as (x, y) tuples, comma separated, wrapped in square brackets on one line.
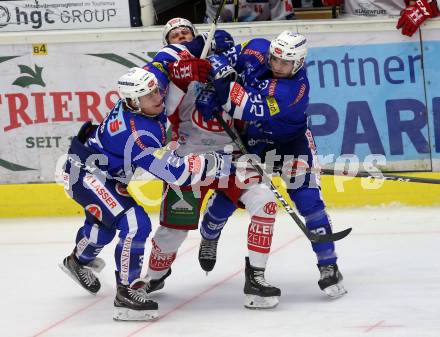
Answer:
[(317, 238)]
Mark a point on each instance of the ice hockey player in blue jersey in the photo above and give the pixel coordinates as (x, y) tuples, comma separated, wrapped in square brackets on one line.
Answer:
[(100, 163), (265, 84)]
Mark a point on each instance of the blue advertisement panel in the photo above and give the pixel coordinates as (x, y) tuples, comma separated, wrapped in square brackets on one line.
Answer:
[(431, 57), (369, 98)]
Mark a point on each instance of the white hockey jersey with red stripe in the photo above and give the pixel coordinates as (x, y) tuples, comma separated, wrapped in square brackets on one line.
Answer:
[(188, 127)]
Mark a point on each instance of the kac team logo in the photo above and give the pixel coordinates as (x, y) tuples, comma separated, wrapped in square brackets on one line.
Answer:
[(5, 17), (270, 208), (94, 210)]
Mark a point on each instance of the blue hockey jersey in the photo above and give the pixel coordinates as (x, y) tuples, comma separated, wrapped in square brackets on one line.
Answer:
[(278, 105), (129, 140)]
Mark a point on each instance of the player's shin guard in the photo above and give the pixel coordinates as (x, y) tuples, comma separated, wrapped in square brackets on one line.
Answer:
[(262, 208), (218, 210), (310, 205), (166, 242), (318, 221), (260, 232), (90, 240), (134, 229)]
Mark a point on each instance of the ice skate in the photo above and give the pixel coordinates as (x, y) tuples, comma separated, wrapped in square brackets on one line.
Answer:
[(208, 254), (259, 293), (154, 285), (132, 303), (331, 281), (82, 274)]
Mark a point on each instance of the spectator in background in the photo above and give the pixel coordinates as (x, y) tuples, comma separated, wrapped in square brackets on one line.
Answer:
[(250, 10), (306, 3), (412, 13), (415, 13)]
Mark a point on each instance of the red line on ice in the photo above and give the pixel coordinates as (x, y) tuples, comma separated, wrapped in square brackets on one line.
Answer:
[(61, 321), (216, 285), (81, 310)]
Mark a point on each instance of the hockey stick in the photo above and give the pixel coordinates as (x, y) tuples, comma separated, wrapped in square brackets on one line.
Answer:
[(236, 139), (382, 176), (212, 31), (313, 237), (361, 174)]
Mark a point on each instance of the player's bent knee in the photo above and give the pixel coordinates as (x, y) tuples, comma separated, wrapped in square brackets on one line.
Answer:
[(134, 222), (307, 200), (96, 234), (259, 201), (169, 239)]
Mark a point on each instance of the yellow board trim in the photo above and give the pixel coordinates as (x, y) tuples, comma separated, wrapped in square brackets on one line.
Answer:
[(27, 200)]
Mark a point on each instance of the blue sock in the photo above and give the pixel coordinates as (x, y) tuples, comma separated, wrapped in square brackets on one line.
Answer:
[(218, 210)]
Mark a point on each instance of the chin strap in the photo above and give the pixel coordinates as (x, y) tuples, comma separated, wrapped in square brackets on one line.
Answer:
[(134, 110)]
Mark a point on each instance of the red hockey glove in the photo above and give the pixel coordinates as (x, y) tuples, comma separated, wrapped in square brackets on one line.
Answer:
[(331, 2), (414, 15), (183, 72)]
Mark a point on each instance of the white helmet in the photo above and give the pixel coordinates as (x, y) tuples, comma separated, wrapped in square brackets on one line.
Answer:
[(290, 46), (175, 23), (136, 83)]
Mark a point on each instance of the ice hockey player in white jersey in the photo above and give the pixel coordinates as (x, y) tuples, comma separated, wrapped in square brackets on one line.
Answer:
[(250, 10), (180, 209)]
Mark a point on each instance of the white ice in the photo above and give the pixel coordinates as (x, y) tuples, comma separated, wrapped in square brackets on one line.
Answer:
[(390, 262)]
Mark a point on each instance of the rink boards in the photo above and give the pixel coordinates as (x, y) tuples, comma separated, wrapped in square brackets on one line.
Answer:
[(51, 200), (370, 95)]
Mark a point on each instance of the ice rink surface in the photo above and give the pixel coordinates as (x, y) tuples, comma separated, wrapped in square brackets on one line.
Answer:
[(390, 263)]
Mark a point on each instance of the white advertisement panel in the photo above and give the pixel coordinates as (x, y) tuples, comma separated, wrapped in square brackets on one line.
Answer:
[(28, 15), (369, 95), (44, 99)]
